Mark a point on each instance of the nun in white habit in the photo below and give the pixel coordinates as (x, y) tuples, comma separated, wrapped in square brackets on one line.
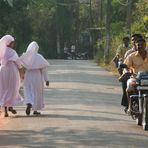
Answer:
[(10, 65), (34, 78)]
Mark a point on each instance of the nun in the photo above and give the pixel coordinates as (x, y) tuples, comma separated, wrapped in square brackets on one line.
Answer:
[(35, 75), (10, 65)]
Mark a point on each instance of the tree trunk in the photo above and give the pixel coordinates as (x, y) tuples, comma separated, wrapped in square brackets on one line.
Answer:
[(129, 17), (107, 46)]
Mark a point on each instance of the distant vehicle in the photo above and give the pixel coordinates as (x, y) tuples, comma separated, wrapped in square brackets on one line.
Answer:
[(82, 56)]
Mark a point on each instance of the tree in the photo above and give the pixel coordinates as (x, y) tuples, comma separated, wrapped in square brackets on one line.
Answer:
[(53, 23), (107, 46), (140, 19)]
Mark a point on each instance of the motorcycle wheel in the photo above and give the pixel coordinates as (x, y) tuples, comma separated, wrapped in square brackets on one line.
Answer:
[(145, 113)]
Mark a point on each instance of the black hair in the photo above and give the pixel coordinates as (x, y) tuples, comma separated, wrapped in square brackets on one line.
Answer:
[(141, 40), (126, 38), (137, 35)]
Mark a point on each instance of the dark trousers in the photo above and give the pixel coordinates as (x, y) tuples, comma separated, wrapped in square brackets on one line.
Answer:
[(124, 101), (73, 55)]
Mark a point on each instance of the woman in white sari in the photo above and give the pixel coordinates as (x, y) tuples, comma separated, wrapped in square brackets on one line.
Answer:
[(35, 76), (9, 74)]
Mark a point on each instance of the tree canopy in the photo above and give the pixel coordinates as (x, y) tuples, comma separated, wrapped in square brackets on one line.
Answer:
[(56, 23)]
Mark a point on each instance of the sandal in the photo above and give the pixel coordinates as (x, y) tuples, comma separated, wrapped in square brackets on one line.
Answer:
[(28, 109), (13, 111), (6, 115), (6, 112), (36, 113)]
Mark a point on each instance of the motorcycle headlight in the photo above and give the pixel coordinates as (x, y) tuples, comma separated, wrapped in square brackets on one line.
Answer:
[(144, 82)]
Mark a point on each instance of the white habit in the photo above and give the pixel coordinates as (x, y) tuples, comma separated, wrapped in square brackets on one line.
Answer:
[(35, 76)]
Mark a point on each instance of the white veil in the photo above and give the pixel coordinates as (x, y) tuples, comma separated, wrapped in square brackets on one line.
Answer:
[(4, 42), (31, 59)]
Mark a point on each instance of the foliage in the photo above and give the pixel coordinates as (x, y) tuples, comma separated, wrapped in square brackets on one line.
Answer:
[(42, 20), (14, 20), (140, 23), (54, 23)]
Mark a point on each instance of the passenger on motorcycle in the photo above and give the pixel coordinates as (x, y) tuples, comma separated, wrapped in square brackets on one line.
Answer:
[(137, 61), (121, 50)]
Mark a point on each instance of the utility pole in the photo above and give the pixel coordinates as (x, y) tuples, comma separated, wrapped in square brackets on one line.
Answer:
[(107, 45), (129, 17)]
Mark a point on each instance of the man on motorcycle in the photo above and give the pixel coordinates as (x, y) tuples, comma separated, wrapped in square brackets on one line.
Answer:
[(122, 67), (134, 39), (136, 61)]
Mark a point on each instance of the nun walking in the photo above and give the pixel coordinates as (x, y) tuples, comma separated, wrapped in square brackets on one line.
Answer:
[(10, 65), (35, 75)]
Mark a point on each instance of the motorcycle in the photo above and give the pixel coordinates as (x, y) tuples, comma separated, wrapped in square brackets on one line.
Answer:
[(138, 100), (82, 56)]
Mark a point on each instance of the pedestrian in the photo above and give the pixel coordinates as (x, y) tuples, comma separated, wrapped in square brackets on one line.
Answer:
[(65, 52), (73, 51), (9, 75), (35, 75)]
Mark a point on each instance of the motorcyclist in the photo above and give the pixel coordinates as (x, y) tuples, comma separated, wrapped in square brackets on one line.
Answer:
[(134, 39), (136, 61), (124, 71)]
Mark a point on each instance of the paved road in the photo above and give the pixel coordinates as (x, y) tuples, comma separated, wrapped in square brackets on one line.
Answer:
[(82, 111)]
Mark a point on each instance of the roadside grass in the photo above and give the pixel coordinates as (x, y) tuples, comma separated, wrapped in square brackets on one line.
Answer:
[(110, 67)]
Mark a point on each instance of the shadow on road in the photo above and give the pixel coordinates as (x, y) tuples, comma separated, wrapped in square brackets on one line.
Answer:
[(56, 137)]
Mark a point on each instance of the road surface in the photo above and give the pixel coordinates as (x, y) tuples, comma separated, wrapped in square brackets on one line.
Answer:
[(82, 110)]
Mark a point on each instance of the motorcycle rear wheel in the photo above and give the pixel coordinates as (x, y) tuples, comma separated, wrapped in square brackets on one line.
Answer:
[(145, 113), (139, 120)]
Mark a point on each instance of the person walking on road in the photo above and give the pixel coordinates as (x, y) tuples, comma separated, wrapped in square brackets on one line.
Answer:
[(9, 75), (73, 51), (65, 52), (35, 75)]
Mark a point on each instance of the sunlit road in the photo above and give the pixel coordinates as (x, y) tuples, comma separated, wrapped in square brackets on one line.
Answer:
[(82, 110)]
